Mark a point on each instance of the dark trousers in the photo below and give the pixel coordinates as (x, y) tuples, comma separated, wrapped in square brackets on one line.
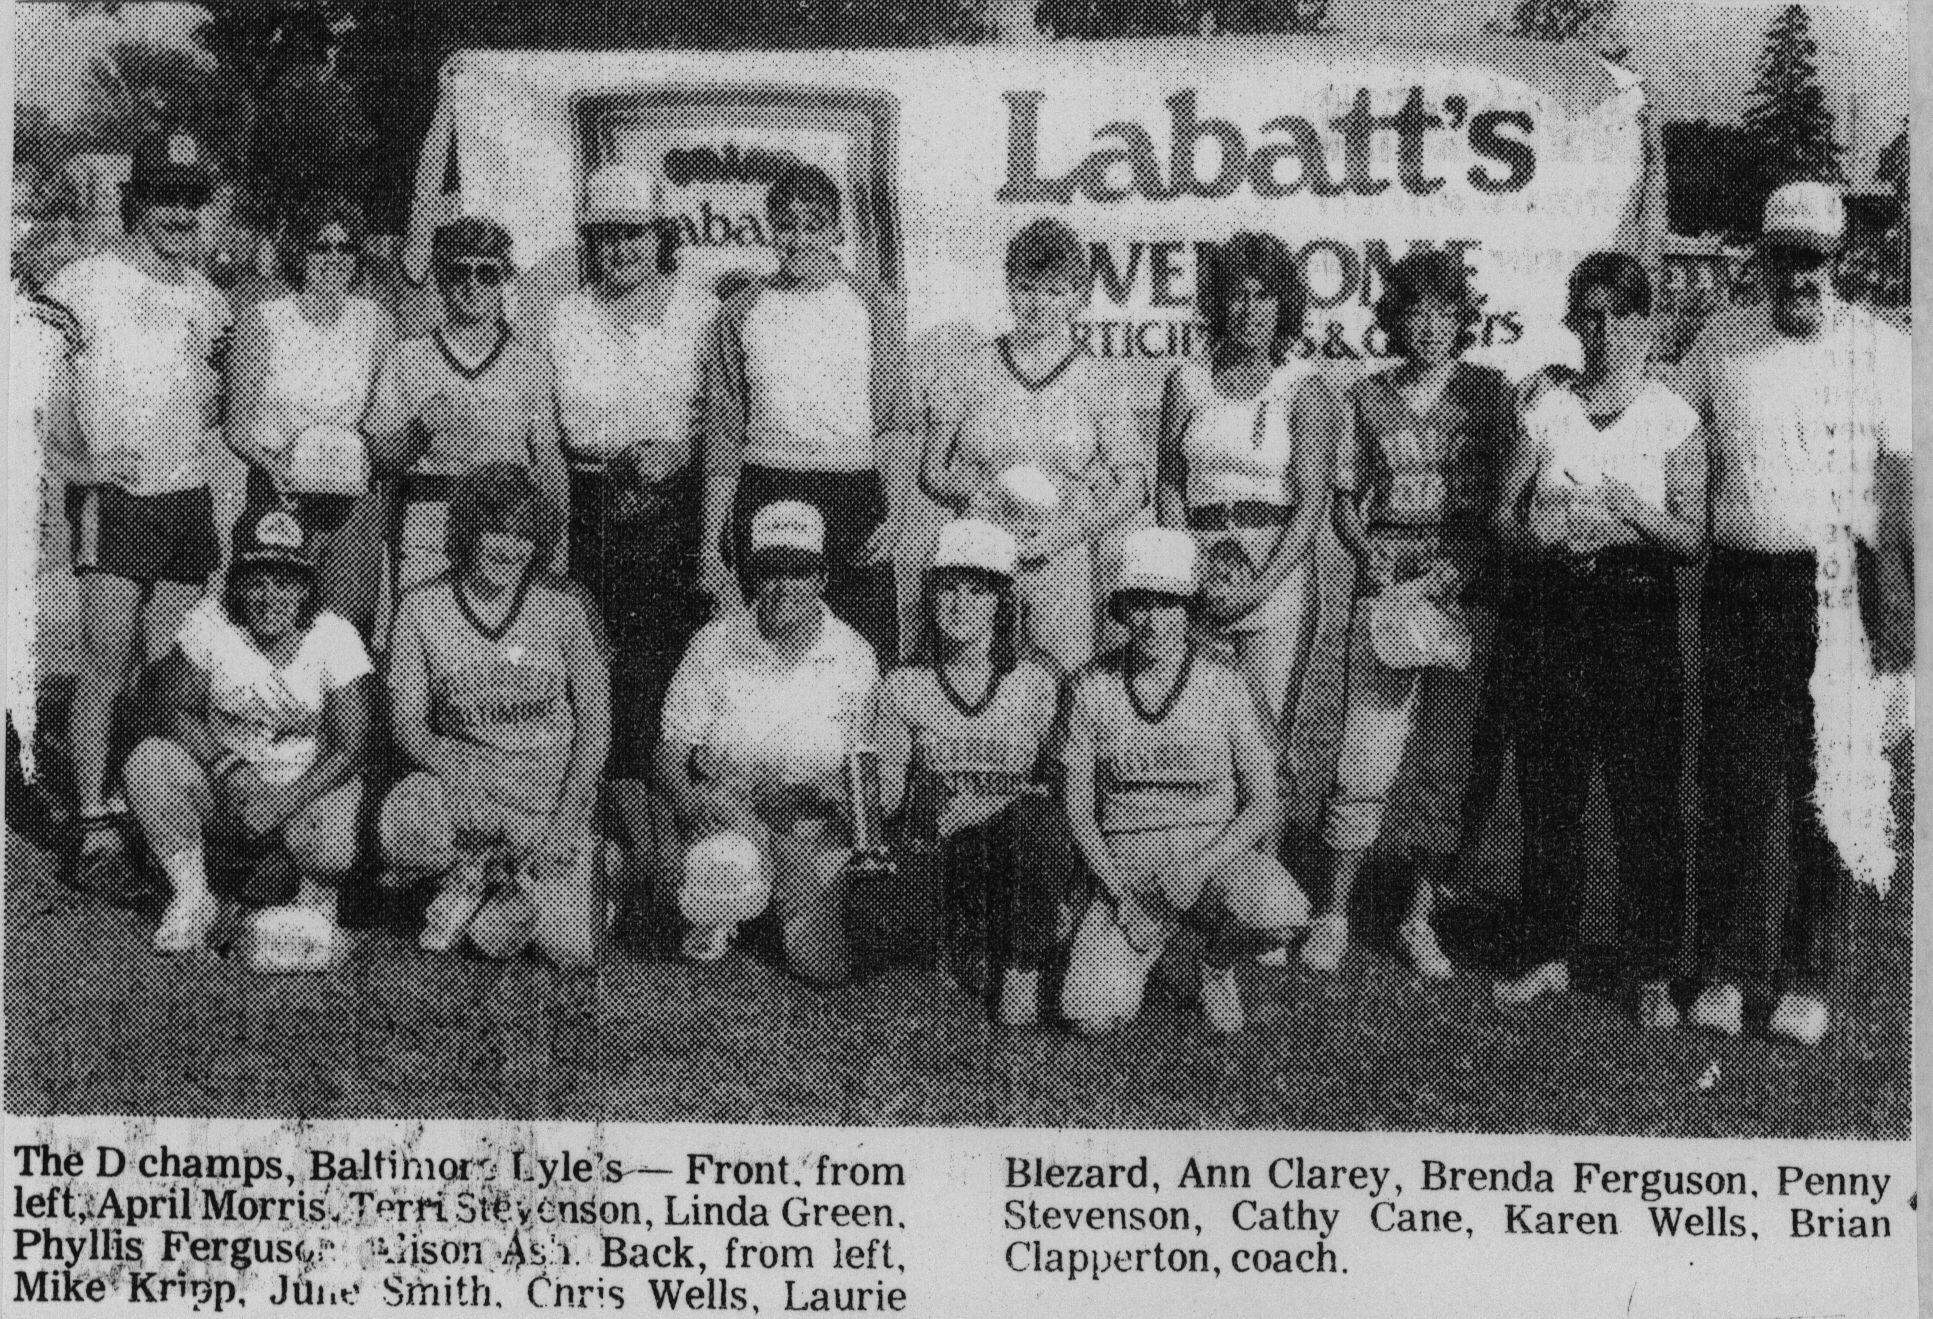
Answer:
[(999, 879), (1761, 634), (1602, 684), (853, 505), (632, 548)]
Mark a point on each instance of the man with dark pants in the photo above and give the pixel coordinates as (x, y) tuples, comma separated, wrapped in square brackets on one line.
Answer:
[(1800, 393)]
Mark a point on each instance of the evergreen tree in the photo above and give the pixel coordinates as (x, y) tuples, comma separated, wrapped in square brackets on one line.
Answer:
[(1787, 120)]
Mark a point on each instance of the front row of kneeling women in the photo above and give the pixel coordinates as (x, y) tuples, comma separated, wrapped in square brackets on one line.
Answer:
[(257, 786)]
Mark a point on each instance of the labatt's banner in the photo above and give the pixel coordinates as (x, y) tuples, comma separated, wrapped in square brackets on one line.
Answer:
[(1521, 157)]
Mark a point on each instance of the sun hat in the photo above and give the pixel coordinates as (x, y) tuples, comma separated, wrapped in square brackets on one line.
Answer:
[(977, 544), (1159, 559), (1811, 216)]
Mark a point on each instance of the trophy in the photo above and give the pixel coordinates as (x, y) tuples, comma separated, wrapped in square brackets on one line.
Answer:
[(869, 852)]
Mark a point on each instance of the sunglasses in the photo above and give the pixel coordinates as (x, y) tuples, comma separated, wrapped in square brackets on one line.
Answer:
[(487, 273), (187, 195), (343, 248)]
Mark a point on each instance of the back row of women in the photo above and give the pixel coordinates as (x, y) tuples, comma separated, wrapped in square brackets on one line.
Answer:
[(673, 460)]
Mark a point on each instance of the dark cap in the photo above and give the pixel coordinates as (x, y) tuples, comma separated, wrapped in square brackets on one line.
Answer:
[(275, 537), (168, 162), (471, 238)]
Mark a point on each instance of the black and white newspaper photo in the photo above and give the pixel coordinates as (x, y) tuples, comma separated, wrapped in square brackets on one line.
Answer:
[(960, 658)]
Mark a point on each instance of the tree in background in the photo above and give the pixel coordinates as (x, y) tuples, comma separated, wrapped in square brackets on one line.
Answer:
[(1787, 120)]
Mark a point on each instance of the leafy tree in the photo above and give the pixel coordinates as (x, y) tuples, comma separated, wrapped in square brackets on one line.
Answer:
[(1787, 119)]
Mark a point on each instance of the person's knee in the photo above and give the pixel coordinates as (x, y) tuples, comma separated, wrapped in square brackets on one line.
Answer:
[(1260, 894), (160, 764), (413, 828), (1106, 977)]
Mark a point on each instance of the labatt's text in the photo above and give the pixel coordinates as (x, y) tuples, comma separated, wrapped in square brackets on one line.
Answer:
[(1289, 156)]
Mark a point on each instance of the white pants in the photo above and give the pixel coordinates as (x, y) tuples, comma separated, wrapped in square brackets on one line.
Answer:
[(1271, 641), (1057, 607)]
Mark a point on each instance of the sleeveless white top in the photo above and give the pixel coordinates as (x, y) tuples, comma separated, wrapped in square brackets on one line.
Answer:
[(318, 375), (628, 386), (808, 380), (1240, 450)]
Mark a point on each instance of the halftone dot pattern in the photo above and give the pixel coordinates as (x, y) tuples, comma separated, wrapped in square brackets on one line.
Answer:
[(1422, 765)]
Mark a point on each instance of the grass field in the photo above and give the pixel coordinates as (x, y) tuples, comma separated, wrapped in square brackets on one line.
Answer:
[(97, 1023)]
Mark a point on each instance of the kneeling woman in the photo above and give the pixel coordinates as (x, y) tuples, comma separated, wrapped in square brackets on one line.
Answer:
[(960, 734), (501, 698), (1171, 790), (266, 702)]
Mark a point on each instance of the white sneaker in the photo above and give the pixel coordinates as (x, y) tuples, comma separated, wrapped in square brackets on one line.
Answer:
[(707, 943), (1657, 1010), (185, 925), (1327, 943), (1221, 1000), (1019, 998), (1425, 953), (1552, 977), (1800, 1018), (1720, 1009), (451, 910)]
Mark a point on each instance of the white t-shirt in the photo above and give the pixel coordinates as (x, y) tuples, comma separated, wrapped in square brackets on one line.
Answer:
[(1633, 448), (1240, 450), (144, 380), (270, 717), (318, 375), (803, 359), (1796, 425), (628, 386), (789, 722)]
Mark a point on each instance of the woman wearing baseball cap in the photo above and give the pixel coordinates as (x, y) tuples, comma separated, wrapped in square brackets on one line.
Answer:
[(1171, 791), (256, 786), (625, 350), (301, 377), (961, 733)]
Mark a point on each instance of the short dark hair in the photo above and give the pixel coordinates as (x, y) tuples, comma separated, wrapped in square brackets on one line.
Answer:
[(471, 236), (1619, 273), (231, 592), (1046, 248), (804, 188), (1222, 268), (1423, 277), (316, 213), (1006, 620), (665, 230), (487, 494)]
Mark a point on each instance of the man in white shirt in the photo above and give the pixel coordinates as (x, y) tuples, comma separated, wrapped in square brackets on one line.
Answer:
[(1800, 395), (147, 386), (754, 737)]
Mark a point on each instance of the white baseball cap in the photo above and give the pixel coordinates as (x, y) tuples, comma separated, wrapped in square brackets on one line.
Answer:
[(1158, 559), (977, 544), (618, 195), (1029, 487), (1806, 215), (788, 525), (724, 881)]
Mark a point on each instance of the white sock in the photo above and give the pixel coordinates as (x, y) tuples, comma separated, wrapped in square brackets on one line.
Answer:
[(187, 870)]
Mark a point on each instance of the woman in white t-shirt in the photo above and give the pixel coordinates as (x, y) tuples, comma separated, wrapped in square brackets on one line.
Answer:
[(1605, 498), (303, 367), (1248, 439), (257, 783)]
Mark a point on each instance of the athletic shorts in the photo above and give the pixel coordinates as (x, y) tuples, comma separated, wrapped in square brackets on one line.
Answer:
[(144, 538)]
